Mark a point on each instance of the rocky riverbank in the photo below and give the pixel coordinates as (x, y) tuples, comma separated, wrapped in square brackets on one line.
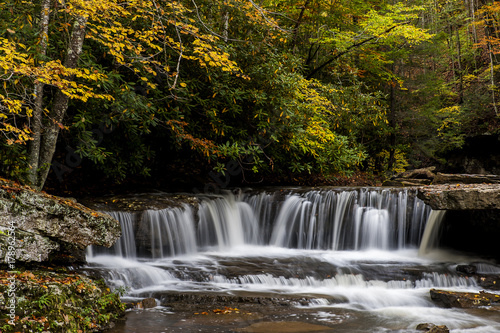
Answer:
[(47, 299), (42, 240)]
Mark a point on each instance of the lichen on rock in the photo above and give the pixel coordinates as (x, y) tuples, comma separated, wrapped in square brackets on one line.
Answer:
[(40, 225)]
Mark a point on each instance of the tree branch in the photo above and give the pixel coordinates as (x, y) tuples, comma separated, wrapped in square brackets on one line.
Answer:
[(353, 46), (297, 25)]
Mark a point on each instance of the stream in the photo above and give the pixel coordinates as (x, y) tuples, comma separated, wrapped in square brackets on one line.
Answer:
[(294, 260)]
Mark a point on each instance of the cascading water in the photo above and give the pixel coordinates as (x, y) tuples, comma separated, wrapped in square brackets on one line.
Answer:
[(355, 249)]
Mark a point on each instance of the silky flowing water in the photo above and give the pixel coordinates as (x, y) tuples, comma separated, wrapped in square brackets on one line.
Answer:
[(323, 260)]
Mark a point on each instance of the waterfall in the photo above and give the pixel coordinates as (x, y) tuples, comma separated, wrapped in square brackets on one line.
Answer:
[(350, 252), (125, 246), (172, 231), (431, 233), (334, 219)]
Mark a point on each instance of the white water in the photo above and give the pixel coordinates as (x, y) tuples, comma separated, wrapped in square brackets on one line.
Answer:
[(431, 234), (359, 248)]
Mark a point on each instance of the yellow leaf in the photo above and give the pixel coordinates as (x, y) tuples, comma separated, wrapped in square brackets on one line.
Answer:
[(183, 84)]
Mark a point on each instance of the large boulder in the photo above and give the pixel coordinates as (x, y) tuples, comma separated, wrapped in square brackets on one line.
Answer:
[(37, 227)]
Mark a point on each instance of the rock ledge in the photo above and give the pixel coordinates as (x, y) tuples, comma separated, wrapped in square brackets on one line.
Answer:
[(38, 227), (461, 197)]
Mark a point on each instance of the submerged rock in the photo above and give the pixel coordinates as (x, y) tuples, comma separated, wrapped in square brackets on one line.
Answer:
[(147, 303), (431, 328), (37, 227), (467, 269)]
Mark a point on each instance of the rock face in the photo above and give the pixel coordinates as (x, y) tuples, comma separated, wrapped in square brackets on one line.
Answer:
[(461, 197), (38, 227)]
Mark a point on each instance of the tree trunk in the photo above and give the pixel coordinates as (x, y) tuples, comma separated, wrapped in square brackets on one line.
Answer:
[(60, 105), (489, 31), (297, 25), (226, 27), (392, 123), (460, 73), (493, 86), (36, 125)]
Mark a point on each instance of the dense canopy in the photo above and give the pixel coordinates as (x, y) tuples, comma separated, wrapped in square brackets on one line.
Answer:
[(270, 90)]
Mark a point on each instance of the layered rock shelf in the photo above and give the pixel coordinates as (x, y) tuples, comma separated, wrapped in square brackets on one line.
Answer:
[(461, 196)]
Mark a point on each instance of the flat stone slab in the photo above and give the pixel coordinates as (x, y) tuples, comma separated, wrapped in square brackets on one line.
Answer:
[(461, 196)]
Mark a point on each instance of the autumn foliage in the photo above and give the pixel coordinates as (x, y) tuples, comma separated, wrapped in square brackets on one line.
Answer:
[(280, 88)]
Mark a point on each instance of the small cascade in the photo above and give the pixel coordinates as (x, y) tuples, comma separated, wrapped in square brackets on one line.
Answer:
[(172, 231), (122, 272), (350, 252), (420, 212), (153, 234), (359, 219), (125, 246), (375, 230), (225, 222), (430, 237), (364, 219), (401, 207)]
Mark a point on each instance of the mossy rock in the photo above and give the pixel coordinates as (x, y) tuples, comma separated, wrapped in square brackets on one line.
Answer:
[(39, 226), (56, 302)]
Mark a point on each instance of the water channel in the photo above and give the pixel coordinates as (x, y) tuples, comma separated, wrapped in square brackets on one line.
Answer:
[(295, 260)]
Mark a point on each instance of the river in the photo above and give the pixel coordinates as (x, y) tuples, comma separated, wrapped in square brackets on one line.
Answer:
[(294, 260)]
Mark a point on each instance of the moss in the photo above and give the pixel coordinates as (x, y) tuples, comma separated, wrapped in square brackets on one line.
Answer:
[(57, 302)]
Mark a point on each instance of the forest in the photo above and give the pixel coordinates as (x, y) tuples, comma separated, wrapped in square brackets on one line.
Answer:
[(185, 92)]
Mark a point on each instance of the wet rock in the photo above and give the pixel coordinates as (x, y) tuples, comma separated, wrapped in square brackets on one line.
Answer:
[(181, 300), (431, 328), (147, 303), (140, 202), (451, 299), (489, 282), (38, 226), (467, 269)]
